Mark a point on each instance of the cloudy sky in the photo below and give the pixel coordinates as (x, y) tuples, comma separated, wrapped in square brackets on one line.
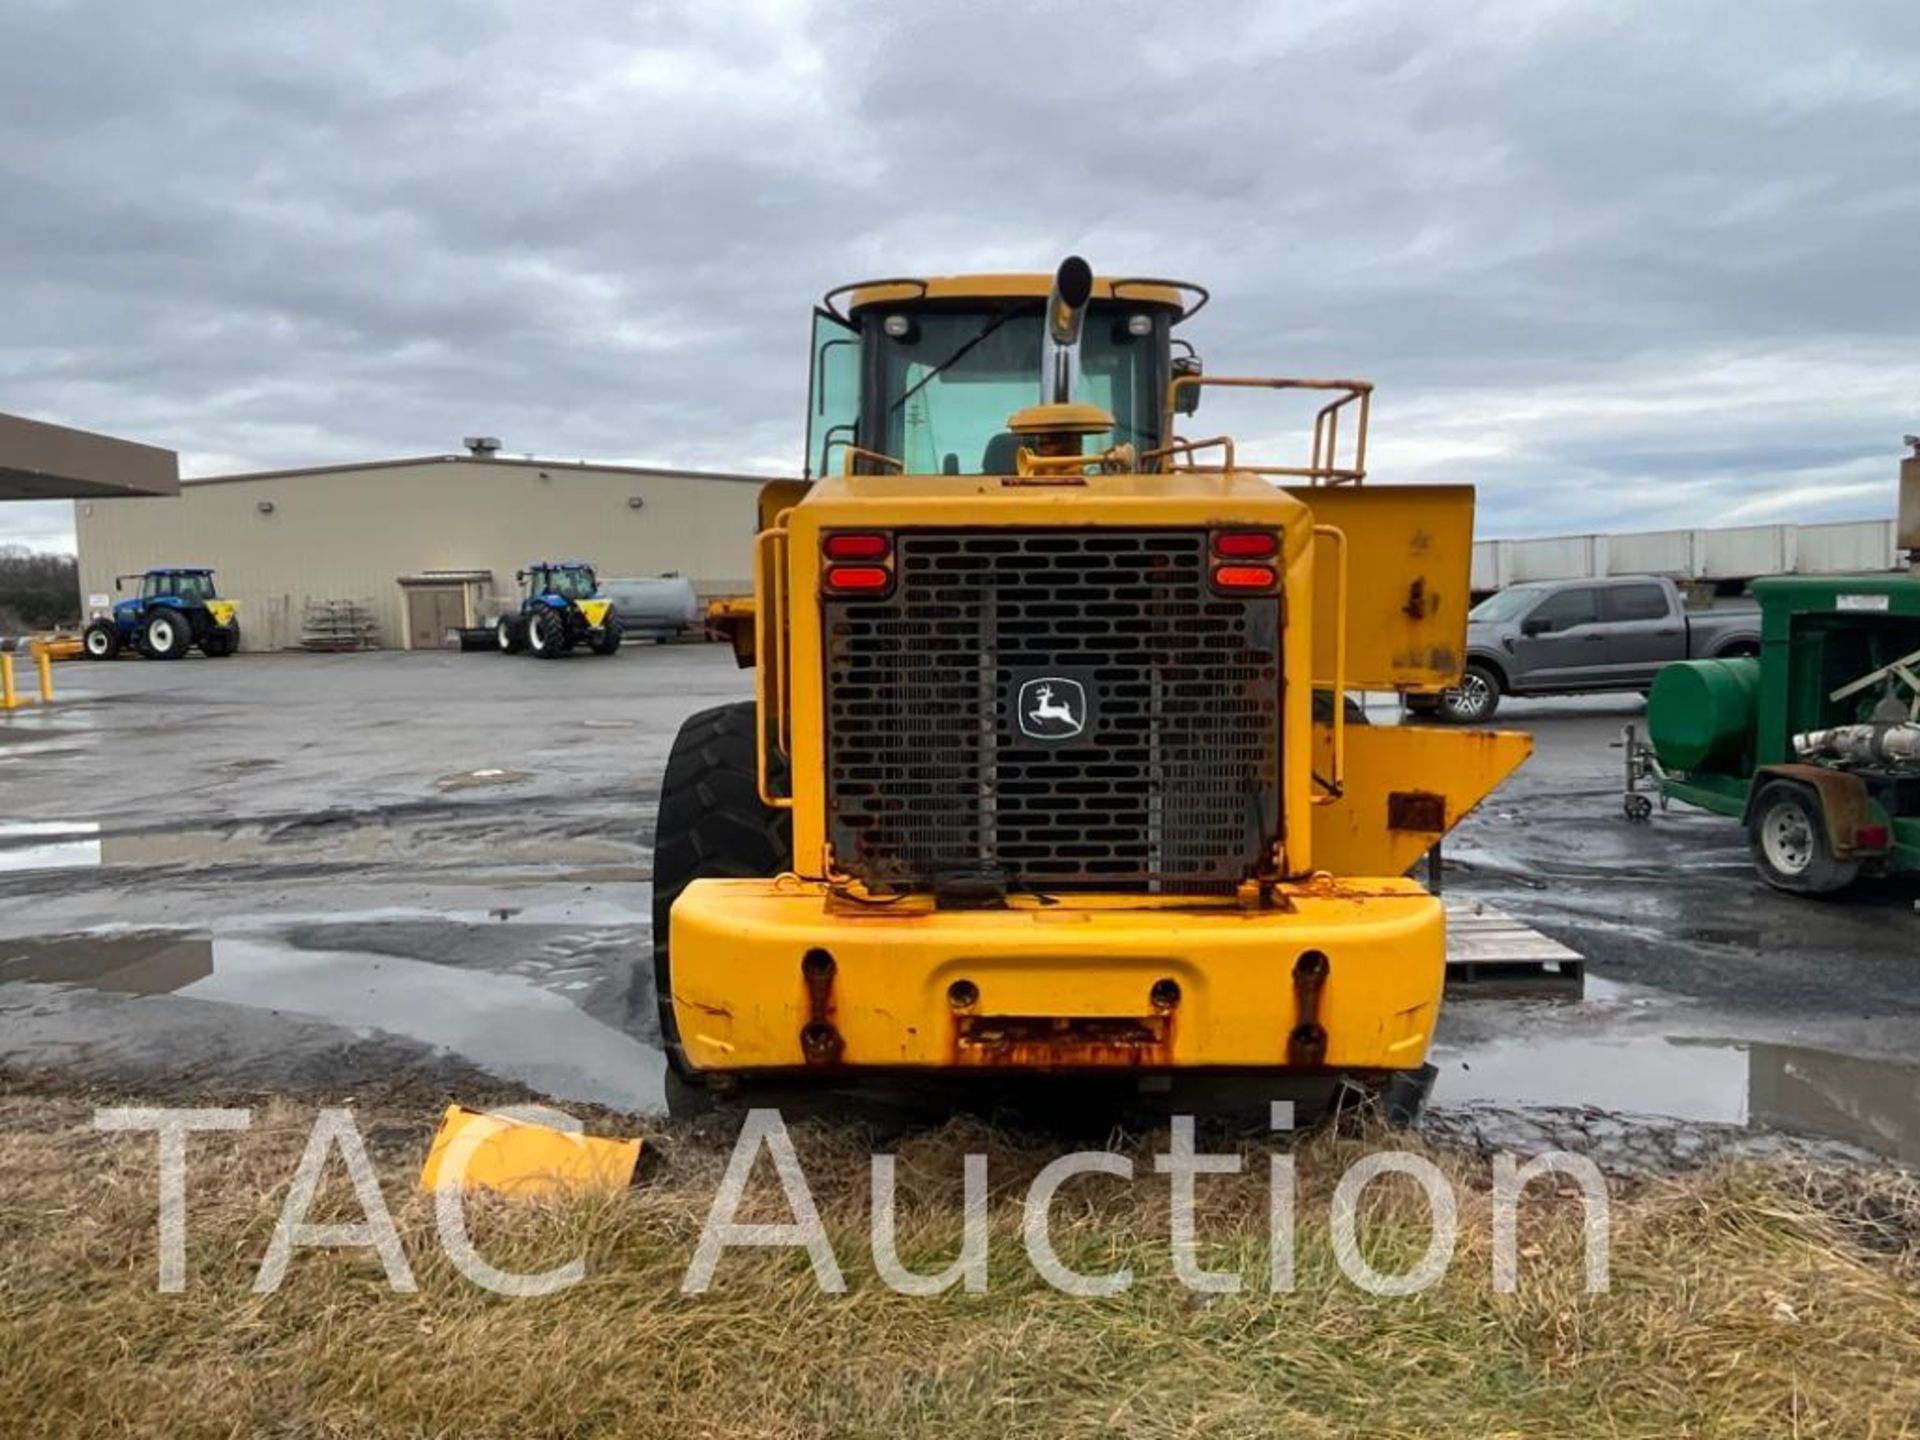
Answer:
[(1624, 266)]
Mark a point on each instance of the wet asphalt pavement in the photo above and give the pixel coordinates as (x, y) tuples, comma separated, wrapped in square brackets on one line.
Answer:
[(309, 873)]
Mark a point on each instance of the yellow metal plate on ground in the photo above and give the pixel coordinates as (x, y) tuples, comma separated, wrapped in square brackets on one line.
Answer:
[(493, 1152)]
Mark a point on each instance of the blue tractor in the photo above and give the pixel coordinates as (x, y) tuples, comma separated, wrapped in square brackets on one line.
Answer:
[(560, 607), (174, 609)]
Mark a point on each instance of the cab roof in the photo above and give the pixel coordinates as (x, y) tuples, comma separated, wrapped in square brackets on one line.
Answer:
[(1182, 296)]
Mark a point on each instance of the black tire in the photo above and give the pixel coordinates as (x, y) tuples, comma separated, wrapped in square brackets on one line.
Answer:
[(101, 640), (609, 638), (547, 634), (712, 824), (509, 635), (218, 644), (1476, 698), (165, 635), (1787, 833)]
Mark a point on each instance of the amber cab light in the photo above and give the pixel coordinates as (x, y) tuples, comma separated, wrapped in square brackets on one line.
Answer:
[(858, 577), (1246, 544), (1245, 577), (857, 545)]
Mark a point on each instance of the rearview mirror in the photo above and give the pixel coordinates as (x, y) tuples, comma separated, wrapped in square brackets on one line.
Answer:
[(1186, 399), (1533, 626)]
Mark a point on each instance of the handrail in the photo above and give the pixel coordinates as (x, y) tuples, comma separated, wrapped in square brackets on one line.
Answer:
[(1324, 466), (855, 452), (1336, 784), (770, 559)]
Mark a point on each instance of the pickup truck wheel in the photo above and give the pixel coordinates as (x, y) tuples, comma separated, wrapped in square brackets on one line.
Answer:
[(1789, 838), (1474, 699)]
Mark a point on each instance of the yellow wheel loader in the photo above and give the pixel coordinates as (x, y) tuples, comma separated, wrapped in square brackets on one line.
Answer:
[(1052, 767)]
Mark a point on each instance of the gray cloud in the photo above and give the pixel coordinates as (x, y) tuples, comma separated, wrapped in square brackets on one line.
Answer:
[(1621, 265)]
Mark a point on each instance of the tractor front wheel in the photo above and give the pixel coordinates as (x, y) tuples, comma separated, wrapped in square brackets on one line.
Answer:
[(219, 644), (102, 640), (546, 634), (510, 637), (165, 637), (609, 637), (711, 824)]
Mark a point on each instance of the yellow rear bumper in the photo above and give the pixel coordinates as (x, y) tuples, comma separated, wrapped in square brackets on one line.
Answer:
[(775, 975)]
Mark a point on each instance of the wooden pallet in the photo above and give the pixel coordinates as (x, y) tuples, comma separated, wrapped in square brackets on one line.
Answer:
[(1488, 944)]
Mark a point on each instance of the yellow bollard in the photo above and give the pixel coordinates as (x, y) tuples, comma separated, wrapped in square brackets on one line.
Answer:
[(44, 663), (8, 700)]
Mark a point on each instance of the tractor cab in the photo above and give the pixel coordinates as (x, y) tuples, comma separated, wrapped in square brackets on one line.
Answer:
[(563, 581), (560, 607), (172, 609)]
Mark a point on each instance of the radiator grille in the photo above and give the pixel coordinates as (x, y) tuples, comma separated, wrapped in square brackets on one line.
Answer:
[(1172, 786)]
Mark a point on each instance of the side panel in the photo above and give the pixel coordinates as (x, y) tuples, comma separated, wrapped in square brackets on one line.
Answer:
[(1406, 786), (1409, 557)]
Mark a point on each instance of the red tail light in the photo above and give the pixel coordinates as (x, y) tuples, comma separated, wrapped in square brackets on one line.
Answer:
[(857, 545), (1245, 577), (858, 577), (1871, 837), (1246, 544)]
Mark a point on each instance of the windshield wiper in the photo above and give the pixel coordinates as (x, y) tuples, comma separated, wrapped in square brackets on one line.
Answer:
[(954, 359)]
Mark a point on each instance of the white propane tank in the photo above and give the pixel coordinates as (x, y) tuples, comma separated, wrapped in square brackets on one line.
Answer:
[(654, 606)]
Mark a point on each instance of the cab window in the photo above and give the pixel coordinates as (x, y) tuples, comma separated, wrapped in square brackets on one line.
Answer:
[(1636, 602), (833, 394), (943, 383), (1564, 611)]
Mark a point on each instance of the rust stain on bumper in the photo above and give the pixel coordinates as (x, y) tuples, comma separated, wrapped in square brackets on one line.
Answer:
[(1044, 1042)]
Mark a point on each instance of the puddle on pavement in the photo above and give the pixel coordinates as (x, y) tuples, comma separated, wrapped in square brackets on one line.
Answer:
[(505, 1024), (80, 845), (474, 779), (1874, 1104)]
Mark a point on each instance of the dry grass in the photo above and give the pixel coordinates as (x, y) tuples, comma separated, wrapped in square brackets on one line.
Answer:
[(1763, 1301)]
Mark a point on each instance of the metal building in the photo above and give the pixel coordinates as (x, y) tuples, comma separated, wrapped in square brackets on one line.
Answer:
[(418, 546)]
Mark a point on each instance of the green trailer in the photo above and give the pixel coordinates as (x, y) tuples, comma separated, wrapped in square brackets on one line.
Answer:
[(1814, 746)]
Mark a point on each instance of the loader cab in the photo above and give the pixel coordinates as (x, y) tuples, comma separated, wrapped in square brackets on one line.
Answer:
[(920, 376)]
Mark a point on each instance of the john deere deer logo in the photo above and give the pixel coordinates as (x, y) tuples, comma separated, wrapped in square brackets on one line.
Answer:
[(1052, 708)]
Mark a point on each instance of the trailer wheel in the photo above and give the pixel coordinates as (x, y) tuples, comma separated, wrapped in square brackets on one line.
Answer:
[(546, 634), (712, 824), (102, 641), (610, 635), (1788, 834), (1474, 699), (165, 636)]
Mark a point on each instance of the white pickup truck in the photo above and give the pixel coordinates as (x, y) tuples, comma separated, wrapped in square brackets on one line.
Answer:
[(1565, 637)]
